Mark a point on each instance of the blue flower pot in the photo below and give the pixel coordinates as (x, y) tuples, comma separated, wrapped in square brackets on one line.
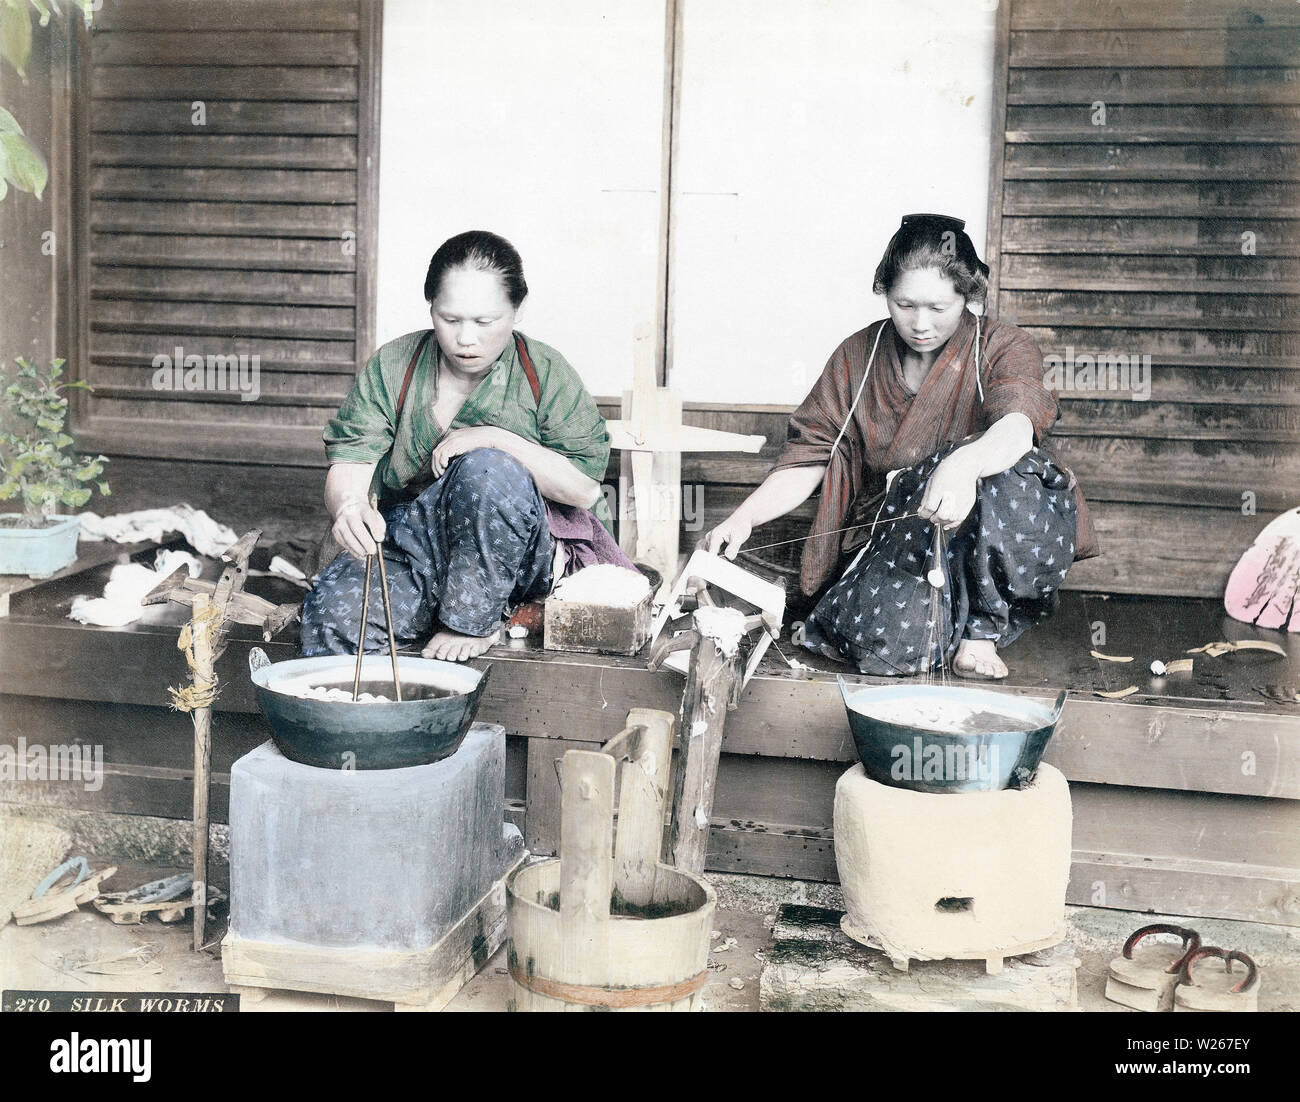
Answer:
[(39, 552)]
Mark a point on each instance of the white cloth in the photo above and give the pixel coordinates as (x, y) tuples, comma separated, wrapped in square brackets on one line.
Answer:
[(204, 534), (128, 582)]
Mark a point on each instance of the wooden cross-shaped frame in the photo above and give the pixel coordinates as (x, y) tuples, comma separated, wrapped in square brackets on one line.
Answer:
[(652, 437)]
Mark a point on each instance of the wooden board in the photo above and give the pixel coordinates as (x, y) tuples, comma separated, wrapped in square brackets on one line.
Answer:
[(542, 821), (1135, 882), (1185, 84), (312, 84), (1171, 15), (214, 252), (226, 15), (423, 980), (252, 185), (224, 47), (167, 116), (175, 284), (227, 151), (1238, 45)]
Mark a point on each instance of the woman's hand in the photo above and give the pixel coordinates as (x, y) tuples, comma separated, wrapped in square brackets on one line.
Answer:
[(358, 528), (950, 496), (458, 442), (732, 532)]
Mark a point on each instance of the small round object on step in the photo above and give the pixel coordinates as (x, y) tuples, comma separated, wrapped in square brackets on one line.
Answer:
[(935, 577)]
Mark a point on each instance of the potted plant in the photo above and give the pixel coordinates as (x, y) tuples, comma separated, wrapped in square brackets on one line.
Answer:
[(39, 467)]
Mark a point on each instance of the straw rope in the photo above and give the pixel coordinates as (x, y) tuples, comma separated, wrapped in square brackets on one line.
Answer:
[(203, 691)]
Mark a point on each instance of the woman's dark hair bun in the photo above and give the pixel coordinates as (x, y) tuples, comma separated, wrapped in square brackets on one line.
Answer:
[(481, 251), (934, 241)]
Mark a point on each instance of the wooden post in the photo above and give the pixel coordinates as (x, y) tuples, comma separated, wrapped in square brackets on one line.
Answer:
[(710, 687), (586, 863), (204, 676), (643, 794), (212, 605)]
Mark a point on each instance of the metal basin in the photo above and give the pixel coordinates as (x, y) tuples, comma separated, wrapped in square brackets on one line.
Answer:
[(441, 700), (993, 756)]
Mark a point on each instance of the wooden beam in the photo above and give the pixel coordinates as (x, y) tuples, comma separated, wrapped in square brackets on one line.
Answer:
[(1133, 882), (1168, 743), (710, 684), (993, 237), (370, 53), (674, 21)]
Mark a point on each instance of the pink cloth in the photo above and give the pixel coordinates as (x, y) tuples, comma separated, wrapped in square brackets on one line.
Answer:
[(586, 541)]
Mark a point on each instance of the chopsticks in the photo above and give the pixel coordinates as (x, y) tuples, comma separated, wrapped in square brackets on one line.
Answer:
[(388, 620), (361, 632), (365, 617)]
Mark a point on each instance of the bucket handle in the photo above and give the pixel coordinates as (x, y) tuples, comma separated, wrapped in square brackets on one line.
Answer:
[(1058, 707), (844, 688)]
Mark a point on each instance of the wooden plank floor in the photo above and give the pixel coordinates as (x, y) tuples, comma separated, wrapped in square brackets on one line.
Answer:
[(1186, 794)]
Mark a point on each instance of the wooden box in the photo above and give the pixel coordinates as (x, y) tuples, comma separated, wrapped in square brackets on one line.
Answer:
[(596, 629)]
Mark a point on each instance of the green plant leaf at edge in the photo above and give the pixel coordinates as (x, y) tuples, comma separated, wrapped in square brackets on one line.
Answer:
[(24, 166), (15, 37)]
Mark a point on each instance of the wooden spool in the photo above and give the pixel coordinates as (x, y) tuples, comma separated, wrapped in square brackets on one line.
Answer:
[(590, 931)]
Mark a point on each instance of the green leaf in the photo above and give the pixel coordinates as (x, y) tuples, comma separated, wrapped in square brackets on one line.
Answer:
[(103, 489), (16, 37), (76, 498), (44, 9), (25, 167), (8, 124)]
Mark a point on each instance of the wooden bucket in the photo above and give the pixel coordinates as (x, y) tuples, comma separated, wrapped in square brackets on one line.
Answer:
[(593, 932)]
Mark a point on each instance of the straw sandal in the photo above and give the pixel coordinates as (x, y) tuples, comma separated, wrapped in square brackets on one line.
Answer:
[(1148, 983), (47, 903), (167, 899), (1220, 993)]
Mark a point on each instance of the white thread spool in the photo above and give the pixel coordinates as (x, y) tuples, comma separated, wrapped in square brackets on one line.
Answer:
[(935, 576)]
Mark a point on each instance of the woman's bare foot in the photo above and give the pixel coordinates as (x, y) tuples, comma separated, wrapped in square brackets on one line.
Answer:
[(979, 658), (451, 646)]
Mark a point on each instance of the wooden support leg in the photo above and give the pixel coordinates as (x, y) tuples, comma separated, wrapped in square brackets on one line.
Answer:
[(203, 675), (709, 687)]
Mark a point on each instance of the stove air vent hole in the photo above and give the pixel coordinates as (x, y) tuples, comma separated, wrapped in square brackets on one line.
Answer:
[(955, 904)]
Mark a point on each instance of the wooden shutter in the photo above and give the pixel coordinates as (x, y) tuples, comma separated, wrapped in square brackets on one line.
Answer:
[(230, 182), (1127, 232)]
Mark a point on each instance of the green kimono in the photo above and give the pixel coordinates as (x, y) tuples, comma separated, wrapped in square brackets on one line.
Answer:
[(565, 419)]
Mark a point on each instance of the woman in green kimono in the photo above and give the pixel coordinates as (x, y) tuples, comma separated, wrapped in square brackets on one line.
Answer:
[(485, 455)]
